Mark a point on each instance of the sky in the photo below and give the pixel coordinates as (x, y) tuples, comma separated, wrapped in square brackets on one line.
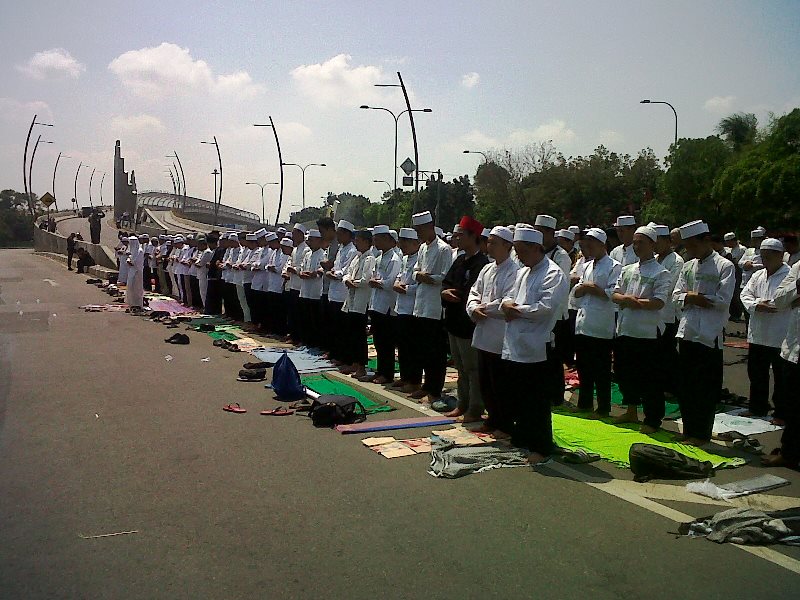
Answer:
[(164, 76)]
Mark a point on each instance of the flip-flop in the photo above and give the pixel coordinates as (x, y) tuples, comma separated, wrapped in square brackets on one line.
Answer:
[(301, 406), (240, 378), (234, 408), (278, 411)]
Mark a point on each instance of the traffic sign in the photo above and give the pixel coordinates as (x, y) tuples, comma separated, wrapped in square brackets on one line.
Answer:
[(47, 199), (408, 166), (408, 181)]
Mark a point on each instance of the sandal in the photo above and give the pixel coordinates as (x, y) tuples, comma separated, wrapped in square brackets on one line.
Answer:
[(278, 411), (234, 408)]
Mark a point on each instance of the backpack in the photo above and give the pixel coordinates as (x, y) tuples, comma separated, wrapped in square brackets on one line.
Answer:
[(286, 380), (333, 409), (657, 462)]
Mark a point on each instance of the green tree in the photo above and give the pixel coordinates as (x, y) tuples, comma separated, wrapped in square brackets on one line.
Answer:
[(738, 130), (16, 224)]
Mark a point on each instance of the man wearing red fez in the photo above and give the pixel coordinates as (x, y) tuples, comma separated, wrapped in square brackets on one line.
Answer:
[(455, 292)]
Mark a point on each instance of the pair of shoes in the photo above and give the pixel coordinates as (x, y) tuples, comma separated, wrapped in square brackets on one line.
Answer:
[(178, 338), (226, 345), (252, 375), (258, 365)]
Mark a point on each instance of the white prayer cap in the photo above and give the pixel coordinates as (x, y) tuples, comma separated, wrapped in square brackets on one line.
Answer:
[(233, 236), (162, 237), (379, 229), (261, 233), (758, 232), (625, 221), (342, 224), (771, 244), (314, 233), (486, 232), (144, 236), (692, 229), (251, 237), (661, 230), (179, 239), (566, 234), (287, 242), (574, 229), (408, 233), (648, 231), (527, 234), (300, 227), (439, 231), (598, 234), (421, 218), (504, 233), (190, 236), (729, 237), (393, 233), (281, 230), (270, 236), (545, 221), (133, 238)]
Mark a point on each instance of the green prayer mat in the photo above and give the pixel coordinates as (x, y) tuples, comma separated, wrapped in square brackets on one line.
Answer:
[(222, 335), (372, 365), (613, 442), (616, 398), (209, 321), (324, 385)]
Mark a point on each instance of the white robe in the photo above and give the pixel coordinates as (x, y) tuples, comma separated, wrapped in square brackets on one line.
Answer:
[(135, 290)]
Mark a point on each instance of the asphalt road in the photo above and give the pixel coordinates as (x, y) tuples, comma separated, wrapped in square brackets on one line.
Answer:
[(108, 233), (100, 434)]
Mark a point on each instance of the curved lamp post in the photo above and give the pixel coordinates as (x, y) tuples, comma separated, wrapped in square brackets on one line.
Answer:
[(303, 169), (39, 140), (280, 165), (673, 111), (55, 170), (25, 171), (483, 154), (262, 185), (75, 191), (218, 200)]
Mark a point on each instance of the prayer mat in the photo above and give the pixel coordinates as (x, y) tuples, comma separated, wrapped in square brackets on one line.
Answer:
[(171, 306), (372, 365), (303, 360), (733, 421), (222, 335), (247, 344), (613, 443), (388, 447), (104, 307), (410, 423), (325, 385), (740, 344), (450, 461), (210, 321)]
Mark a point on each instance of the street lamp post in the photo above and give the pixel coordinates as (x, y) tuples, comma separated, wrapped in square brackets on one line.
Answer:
[(262, 185), (180, 166), (396, 118), (483, 154), (215, 173), (280, 165), (218, 201), (102, 179), (55, 169), (75, 191), (174, 185), (25, 172), (303, 170), (382, 181), (39, 140), (673, 112), (90, 187)]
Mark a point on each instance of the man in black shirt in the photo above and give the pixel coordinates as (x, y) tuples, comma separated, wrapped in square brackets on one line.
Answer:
[(455, 292), (70, 250), (214, 290)]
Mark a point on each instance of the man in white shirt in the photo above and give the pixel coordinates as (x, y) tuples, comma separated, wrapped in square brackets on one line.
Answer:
[(311, 290), (355, 306), (788, 297), (202, 261), (641, 292), (292, 269), (433, 261), (531, 310), (241, 270), (381, 304), (703, 294), (792, 246), (276, 317), (767, 330), (337, 291), (495, 282), (595, 323), (250, 271), (670, 314), (736, 251), (750, 262), (733, 245), (625, 227), (405, 293), (233, 309)]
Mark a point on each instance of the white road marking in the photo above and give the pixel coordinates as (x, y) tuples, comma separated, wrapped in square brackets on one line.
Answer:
[(51, 282)]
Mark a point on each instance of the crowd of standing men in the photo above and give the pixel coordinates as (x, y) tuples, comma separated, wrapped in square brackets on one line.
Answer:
[(510, 306)]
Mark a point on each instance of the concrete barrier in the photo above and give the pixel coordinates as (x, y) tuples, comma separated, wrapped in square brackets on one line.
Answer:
[(44, 241)]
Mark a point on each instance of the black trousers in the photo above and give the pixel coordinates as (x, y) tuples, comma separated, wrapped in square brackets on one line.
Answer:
[(293, 314), (668, 354), (325, 331), (593, 360), (432, 348), (637, 367), (530, 406), (759, 360), (354, 348), (214, 297), (147, 276), (70, 254), (336, 329), (701, 384), (197, 299), (553, 384), (250, 298), (276, 313), (383, 336), (407, 351), (790, 439), (310, 321), (233, 309), (565, 339), (495, 399)]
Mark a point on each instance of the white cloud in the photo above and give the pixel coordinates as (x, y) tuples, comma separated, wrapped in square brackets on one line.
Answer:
[(719, 104), (52, 64), (336, 82), (555, 130), (136, 123), (470, 80), (14, 111), (168, 68)]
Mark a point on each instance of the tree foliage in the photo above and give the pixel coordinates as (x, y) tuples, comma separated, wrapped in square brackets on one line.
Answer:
[(16, 224)]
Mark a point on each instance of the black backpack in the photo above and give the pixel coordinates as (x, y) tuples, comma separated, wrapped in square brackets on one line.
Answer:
[(333, 409), (658, 462)]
